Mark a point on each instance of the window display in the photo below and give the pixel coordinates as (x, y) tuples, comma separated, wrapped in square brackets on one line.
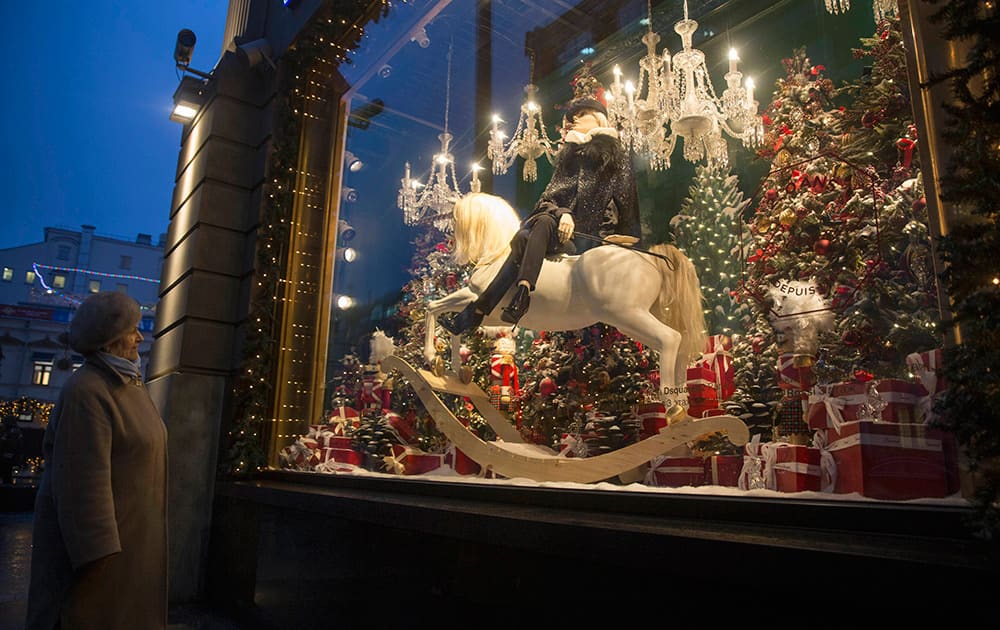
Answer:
[(774, 329)]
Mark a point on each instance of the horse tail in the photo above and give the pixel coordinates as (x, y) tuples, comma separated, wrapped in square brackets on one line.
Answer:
[(680, 303)]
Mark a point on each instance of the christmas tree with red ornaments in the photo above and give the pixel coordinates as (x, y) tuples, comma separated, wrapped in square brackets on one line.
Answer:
[(840, 269)]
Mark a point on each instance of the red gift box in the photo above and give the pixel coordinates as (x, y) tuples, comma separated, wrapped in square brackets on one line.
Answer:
[(701, 375), (885, 460), (833, 405), (461, 463), (407, 460), (796, 468), (842, 402), (653, 417), (795, 371), (698, 407), (405, 427), (901, 397), (343, 455), (338, 441), (925, 366), (719, 359), (343, 420), (723, 470), (674, 472)]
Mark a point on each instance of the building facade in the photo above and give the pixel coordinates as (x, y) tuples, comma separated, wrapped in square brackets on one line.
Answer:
[(261, 314), (41, 286)]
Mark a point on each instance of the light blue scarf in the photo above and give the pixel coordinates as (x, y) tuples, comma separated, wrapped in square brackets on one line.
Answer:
[(125, 367)]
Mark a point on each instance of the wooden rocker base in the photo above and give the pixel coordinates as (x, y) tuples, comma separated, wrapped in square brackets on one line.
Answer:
[(510, 456)]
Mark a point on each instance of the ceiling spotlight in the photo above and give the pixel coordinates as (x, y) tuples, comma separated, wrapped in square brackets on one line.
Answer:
[(420, 36), (184, 47), (352, 163), (349, 194), (344, 230)]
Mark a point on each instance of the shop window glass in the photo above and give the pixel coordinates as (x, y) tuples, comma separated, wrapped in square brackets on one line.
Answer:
[(798, 248), (29, 277), (8, 274), (58, 281)]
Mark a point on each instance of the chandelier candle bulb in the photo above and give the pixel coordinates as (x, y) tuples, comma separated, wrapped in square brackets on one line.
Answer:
[(750, 86), (734, 59)]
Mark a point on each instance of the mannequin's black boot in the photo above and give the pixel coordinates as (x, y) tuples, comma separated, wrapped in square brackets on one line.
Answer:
[(514, 311), (468, 319), (472, 316)]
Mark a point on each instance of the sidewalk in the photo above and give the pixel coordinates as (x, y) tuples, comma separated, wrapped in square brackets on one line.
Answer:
[(15, 557)]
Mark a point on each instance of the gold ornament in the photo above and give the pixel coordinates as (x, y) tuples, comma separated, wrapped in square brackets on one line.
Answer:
[(782, 158), (803, 360), (787, 217), (764, 224)]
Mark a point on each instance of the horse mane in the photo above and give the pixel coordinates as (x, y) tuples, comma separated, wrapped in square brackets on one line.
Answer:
[(484, 226)]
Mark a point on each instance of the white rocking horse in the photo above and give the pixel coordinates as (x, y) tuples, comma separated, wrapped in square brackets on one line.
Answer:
[(653, 297)]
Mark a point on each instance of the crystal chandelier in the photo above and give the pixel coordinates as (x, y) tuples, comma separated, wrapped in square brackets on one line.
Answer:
[(432, 203), (680, 102), (880, 8), (530, 140)]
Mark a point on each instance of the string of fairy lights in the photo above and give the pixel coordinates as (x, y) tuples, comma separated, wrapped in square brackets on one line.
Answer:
[(51, 289), (253, 392)]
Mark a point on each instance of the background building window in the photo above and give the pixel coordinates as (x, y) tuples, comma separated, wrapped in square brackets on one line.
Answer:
[(126, 262), (29, 277), (59, 281), (8, 274), (42, 373), (94, 286), (62, 253)]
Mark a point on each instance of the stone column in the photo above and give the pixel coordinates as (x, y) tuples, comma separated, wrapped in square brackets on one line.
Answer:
[(207, 269)]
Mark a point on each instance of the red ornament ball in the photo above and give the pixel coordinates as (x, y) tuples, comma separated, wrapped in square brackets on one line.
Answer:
[(771, 194), (822, 247), (547, 386), (919, 204)]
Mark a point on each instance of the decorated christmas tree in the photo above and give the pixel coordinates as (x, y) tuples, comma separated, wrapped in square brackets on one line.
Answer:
[(707, 230), (841, 261)]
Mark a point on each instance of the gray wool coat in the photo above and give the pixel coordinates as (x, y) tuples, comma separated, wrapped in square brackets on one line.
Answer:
[(99, 557)]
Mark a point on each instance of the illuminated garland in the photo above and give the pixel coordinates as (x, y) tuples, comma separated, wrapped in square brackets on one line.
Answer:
[(336, 29), (37, 409), (90, 272)]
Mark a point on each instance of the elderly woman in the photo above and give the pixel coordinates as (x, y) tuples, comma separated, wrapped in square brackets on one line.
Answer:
[(99, 557)]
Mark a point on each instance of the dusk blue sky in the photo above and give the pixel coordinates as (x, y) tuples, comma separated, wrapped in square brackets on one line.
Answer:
[(87, 137)]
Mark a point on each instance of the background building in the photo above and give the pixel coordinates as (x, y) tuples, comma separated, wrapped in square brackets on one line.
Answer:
[(42, 284)]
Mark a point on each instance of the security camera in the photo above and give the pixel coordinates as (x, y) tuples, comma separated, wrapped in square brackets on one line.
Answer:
[(184, 47)]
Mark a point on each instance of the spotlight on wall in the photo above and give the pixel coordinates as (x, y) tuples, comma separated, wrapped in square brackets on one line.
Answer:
[(349, 194), (253, 52), (352, 163), (347, 254), (345, 302), (188, 99), (344, 230)]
